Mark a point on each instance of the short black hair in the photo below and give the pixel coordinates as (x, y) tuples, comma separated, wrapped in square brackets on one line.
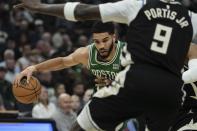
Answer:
[(99, 27)]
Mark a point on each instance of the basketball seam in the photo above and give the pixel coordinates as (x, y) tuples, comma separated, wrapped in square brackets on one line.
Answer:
[(22, 86), (27, 101), (30, 99), (28, 94), (35, 91)]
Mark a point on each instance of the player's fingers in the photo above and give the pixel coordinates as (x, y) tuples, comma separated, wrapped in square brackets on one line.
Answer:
[(108, 82), (28, 77), (15, 82), (97, 80), (100, 85), (18, 6), (18, 78)]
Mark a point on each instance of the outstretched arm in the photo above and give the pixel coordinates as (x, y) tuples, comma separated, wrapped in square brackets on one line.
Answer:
[(122, 12), (82, 12), (80, 56)]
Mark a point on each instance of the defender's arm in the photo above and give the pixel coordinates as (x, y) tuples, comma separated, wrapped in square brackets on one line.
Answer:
[(123, 11)]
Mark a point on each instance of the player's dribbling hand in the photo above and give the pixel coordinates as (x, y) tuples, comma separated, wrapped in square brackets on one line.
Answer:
[(29, 4), (25, 73)]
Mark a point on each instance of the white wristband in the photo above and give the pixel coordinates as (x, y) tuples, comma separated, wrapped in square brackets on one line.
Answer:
[(69, 9)]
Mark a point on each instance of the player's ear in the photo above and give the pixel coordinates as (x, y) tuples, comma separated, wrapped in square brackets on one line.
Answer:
[(114, 38)]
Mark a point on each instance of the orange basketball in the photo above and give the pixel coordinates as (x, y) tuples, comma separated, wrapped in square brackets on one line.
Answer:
[(27, 92)]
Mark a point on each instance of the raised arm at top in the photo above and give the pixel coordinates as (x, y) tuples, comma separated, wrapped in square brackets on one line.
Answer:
[(122, 12)]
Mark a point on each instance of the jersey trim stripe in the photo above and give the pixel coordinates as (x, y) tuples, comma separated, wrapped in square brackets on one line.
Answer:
[(90, 55)]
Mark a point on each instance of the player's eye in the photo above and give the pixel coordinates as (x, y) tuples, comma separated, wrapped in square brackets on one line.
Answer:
[(96, 42), (105, 40)]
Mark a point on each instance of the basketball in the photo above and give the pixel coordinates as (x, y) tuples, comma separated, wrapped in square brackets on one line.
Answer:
[(27, 93)]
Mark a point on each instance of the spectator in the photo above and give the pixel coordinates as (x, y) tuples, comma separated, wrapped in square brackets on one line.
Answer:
[(67, 43), (79, 90), (57, 40), (83, 40), (8, 54), (45, 48), (24, 61), (3, 37), (12, 70), (2, 108), (6, 90), (43, 109), (36, 33), (39, 23), (11, 44), (87, 95), (23, 39), (35, 57), (46, 79), (64, 115), (75, 103), (59, 89), (46, 36), (10, 64), (65, 47)]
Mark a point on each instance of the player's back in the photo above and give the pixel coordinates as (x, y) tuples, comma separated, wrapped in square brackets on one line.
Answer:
[(160, 35)]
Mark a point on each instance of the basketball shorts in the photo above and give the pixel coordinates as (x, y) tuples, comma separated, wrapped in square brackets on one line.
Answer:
[(186, 122), (137, 90)]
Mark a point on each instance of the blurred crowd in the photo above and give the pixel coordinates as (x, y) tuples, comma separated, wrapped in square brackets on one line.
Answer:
[(27, 38)]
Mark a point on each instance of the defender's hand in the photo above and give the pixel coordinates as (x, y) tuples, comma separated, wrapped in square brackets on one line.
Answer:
[(29, 4), (25, 73)]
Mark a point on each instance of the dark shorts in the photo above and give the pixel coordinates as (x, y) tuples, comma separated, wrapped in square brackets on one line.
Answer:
[(186, 122), (149, 91)]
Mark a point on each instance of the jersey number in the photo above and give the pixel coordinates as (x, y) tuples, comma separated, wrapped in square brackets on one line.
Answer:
[(163, 35)]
